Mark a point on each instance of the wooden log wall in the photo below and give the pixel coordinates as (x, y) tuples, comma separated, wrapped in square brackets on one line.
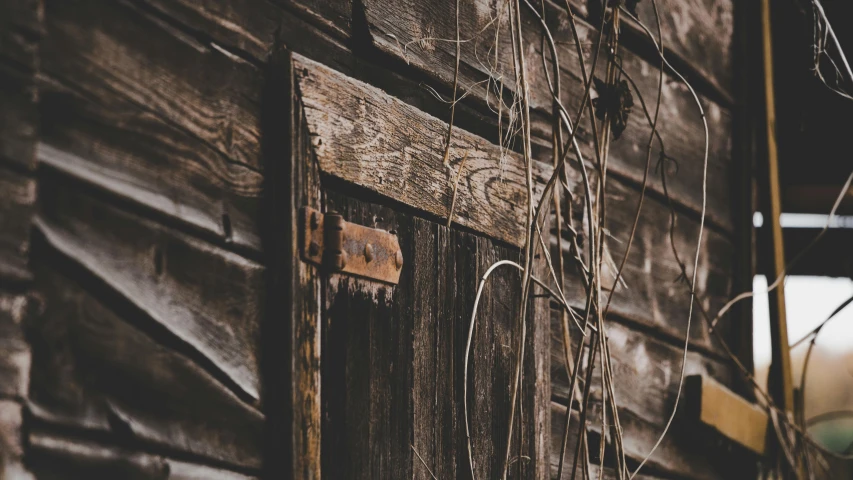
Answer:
[(133, 286)]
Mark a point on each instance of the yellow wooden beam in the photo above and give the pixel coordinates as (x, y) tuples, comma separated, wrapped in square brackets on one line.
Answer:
[(779, 324), (728, 413)]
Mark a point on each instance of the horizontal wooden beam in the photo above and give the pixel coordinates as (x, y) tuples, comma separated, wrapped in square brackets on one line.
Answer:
[(726, 412)]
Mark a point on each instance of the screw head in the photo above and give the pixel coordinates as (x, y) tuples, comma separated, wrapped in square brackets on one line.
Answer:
[(398, 259), (368, 253), (313, 249)]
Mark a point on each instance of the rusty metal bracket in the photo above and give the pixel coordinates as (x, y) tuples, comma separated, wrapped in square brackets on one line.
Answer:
[(336, 245)]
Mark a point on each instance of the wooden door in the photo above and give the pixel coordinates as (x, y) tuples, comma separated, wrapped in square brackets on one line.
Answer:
[(377, 376)]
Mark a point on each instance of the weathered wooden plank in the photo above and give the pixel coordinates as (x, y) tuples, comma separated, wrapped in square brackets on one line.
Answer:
[(18, 117), (700, 33), (558, 417), (20, 28), (646, 370), (14, 349), (424, 389), (296, 314), (398, 353), (209, 298), (375, 141), (333, 15), (11, 447), (378, 320), (421, 35), (95, 370), (682, 454), (17, 204), (57, 456), (149, 110), (652, 294)]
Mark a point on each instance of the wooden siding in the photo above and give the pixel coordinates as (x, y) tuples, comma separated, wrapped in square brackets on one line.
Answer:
[(148, 301)]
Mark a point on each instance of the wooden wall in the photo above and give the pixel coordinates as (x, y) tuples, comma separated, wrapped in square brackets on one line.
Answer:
[(136, 278)]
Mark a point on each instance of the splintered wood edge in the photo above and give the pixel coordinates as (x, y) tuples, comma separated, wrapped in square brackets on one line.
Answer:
[(727, 412)]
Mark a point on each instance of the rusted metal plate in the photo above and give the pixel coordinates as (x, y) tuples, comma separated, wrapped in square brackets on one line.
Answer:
[(331, 242)]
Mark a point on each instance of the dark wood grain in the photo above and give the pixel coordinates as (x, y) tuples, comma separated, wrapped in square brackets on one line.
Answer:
[(680, 455), (418, 33), (93, 369), (394, 358), (17, 204), (20, 29), (370, 139), (18, 116), (209, 298), (296, 289), (57, 456), (558, 418), (171, 122), (14, 349), (11, 420), (373, 140), (652, 294), (646, 376)]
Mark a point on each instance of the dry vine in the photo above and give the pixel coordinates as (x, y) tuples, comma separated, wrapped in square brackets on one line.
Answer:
[(606, 116)]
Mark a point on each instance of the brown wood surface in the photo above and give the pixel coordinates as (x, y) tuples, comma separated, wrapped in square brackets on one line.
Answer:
[(14, 348), (18, 116), (646, 376), (17, 204), (296, 184), (60, 456), (171, 122), (209, 298), (96, 370), (396, 355), (374, 141), (678, 456), (400, 27), (699, 32), (652, 295)]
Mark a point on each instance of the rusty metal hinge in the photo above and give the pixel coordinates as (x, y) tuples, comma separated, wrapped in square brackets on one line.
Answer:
[(339, 246)]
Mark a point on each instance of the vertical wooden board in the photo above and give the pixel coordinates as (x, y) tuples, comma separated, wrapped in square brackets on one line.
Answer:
[(423, 264), (155, 114), (483, 392), (17, 204), (397, 356), (383, 316), (292, 341)]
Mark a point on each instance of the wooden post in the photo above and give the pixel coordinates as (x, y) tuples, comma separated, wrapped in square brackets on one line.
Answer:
[(780, 381)]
